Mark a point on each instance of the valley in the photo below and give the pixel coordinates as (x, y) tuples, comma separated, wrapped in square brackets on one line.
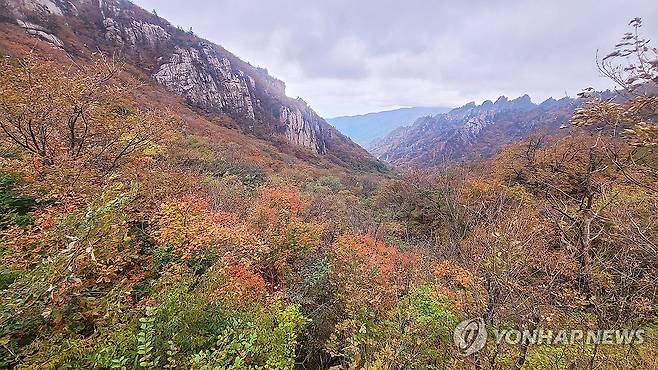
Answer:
[(164, 204), (368, 128)]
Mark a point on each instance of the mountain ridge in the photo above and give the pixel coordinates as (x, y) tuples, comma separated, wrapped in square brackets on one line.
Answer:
[(364, 129), (206, 75), (472, 131)]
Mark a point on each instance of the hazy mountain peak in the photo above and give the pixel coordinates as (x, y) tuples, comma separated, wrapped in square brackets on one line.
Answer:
[(548, 101), (525, 99), (501, 100), (487, 104), (522, 102), (367, 128)]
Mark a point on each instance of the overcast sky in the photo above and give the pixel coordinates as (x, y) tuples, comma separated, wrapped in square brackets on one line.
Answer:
[(356, 56)]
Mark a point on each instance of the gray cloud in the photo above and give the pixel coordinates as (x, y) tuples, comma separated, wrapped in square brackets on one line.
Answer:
[(346, 57)]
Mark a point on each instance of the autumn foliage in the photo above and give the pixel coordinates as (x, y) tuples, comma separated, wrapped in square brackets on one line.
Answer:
[(137, 236)]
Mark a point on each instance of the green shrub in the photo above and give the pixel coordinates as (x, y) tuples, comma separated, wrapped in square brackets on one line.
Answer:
[(419, 327), (7, 277), (15, 209), (251, 174), (261, 339), (326, 184)]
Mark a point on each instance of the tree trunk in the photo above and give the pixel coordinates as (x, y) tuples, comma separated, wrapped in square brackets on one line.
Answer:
[(585, 273), (523, 350)]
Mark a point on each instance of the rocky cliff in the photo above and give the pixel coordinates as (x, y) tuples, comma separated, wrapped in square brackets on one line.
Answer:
[(209, 77), (472, 131)]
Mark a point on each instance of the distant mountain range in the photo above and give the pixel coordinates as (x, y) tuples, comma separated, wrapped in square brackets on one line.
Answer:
[(366, 128), (472, 131)]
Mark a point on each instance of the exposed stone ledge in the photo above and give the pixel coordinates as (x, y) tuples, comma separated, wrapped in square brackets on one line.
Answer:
[(41, 32)]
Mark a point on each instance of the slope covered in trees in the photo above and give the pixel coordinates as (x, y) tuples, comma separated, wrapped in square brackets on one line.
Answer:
[(209, 78), (137, 231)]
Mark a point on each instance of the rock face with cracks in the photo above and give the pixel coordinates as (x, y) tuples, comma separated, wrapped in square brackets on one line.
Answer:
[(206, 75)]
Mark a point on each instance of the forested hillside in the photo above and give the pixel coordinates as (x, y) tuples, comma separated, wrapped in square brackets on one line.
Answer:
[(209, 78), (164, 205)]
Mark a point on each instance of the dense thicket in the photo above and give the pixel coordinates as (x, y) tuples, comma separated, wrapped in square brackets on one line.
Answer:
[(129, 240)]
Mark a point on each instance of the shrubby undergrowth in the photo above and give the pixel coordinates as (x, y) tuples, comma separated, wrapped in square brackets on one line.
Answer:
[(130, 241)]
